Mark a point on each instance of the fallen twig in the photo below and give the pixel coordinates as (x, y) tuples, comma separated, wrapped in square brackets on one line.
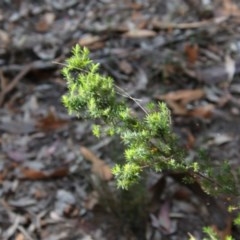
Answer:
[(5, 90), (163, 25), (25, 233)]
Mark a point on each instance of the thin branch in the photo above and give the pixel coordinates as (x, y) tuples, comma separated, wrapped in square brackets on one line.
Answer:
[(134, 99), (14, 82), (25, 233), (191, 25)]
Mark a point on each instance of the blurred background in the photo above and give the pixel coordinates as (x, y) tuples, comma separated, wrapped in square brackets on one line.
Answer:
[(185, 52)]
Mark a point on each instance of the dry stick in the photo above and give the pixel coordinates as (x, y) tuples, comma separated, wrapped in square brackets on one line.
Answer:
[(133, 99), (25, 233), (163, 25), (14, 82), (9, 232), (3, 80)]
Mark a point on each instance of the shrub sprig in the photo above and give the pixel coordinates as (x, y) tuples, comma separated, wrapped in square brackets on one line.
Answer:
[(149, 140)]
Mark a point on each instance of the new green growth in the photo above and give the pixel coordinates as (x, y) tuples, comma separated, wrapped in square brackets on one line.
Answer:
[(149, 140)]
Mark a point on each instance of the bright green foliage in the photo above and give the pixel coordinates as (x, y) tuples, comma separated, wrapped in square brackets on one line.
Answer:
[(126, 174), (211, 235), (149, 140)]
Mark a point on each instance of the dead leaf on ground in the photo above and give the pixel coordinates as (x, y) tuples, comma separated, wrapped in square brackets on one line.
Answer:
[(205, 111), (190, 139), (191, 52), (162, 221), (51, 121), (99, 167), (229, 8), (177, 101), (89, 39), (177, 108), (140, 33), (45, 22), (223, 233), (125, 67), (3, 175), (219, 139), (184, 96), (139, 19), (33, 174), (20, 236)]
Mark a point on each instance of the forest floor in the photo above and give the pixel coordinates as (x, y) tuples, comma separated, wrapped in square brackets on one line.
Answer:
[(55, 176)]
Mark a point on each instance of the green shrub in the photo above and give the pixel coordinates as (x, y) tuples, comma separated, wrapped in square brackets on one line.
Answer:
[(149, 141)]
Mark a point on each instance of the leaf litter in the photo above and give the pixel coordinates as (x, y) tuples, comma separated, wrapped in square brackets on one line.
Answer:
[(184, 53)]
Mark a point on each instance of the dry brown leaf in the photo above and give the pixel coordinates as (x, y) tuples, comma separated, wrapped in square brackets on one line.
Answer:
[(177, 108), (226, 232), (3, 175), (33, 174), (177, 102), (20, 236), (140, 33), (99, 167), (96, 45), (89, 39), (135, 6), (202, 112), (59, 172), (191, 51), (139, 20), (125, 67), (190, 139), (230, 8), (51, 122), (45, 22), (184, 96)]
